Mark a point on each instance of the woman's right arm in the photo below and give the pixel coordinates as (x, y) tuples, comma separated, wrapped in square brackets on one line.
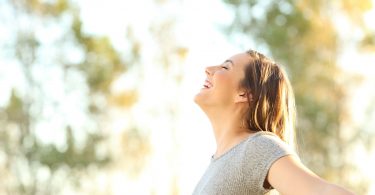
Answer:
[(289, 176)]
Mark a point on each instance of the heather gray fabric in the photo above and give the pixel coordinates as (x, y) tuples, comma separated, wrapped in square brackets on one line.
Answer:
[(243, 169)]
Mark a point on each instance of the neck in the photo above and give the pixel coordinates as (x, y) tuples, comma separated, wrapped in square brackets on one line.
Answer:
[(228, 128)]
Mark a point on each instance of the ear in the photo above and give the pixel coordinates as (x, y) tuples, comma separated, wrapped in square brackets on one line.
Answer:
[(242, 97)]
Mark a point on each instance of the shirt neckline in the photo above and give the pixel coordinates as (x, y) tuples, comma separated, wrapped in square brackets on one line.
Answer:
[(251, 136)]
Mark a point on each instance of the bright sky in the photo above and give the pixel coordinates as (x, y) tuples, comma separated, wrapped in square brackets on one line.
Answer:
[(196, 29), (207, 45)]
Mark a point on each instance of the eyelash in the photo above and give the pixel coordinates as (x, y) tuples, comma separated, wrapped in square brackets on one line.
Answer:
[(225, 67)]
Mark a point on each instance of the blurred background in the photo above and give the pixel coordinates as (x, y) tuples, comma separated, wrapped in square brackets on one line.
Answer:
[(97, 96)]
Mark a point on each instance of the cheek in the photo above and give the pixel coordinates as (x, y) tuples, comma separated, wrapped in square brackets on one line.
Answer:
[(224, 80), (224, 86)]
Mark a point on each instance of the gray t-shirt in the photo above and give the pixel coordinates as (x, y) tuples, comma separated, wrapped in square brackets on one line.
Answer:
[(243, 169)]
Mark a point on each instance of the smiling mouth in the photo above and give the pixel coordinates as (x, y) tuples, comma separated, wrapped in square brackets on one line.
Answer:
[(207, 84)]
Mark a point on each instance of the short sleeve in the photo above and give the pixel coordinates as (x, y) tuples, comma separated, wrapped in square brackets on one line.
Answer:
[(261, 152)]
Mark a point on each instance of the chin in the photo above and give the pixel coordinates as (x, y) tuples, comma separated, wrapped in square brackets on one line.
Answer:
[(197, 98), (202, 100)]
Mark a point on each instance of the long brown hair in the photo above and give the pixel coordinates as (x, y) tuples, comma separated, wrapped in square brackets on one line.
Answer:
[(271, 98)]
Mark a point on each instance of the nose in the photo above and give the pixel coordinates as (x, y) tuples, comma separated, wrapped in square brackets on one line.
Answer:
[(209, 70)]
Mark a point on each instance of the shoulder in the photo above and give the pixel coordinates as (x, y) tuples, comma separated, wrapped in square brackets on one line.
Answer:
[(261, 150), (267, 140), (265, 147)]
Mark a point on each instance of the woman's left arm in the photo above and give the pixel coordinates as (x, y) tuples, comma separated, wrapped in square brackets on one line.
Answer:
[(289, 176)]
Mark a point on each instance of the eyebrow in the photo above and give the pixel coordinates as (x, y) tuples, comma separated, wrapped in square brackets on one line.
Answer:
[(229, 61)]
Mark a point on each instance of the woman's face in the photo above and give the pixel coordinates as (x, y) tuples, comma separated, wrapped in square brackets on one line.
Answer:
[(221, 87)]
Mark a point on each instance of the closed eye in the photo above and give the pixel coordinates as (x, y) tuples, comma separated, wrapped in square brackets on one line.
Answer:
[(224, 67)]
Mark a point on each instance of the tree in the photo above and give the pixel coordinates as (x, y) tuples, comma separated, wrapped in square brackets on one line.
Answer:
[(32, 165), (63, 64)]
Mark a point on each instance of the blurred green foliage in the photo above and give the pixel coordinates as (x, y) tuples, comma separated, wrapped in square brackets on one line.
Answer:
[(26, 156), (299, 34)]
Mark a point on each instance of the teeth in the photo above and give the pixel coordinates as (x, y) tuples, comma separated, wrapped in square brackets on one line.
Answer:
[(207, 84)]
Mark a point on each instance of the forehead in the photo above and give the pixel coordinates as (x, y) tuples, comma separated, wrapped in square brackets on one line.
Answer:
[(240, 60)]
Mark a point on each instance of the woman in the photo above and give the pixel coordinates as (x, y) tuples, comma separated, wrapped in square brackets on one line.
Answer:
[(250, 104)]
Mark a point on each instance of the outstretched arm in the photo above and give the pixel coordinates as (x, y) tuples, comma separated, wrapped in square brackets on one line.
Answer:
[(289, 176)]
